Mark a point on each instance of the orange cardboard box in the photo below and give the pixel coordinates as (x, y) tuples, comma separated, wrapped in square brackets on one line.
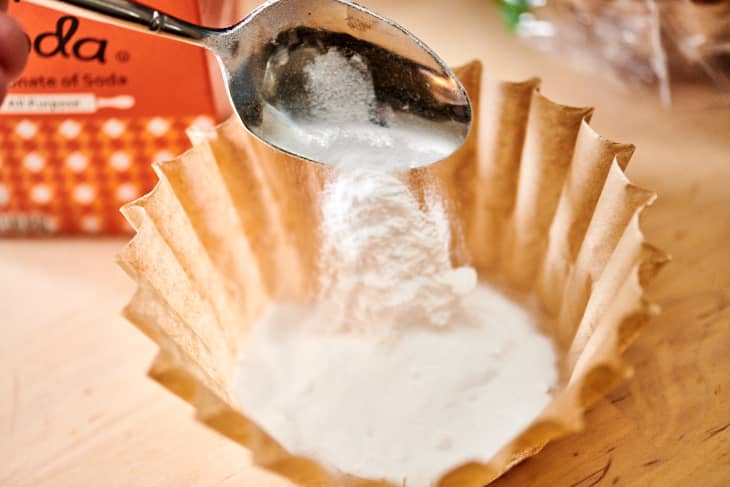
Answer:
[(94, 108)]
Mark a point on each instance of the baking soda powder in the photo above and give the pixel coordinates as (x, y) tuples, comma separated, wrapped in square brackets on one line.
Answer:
[(405, 368)]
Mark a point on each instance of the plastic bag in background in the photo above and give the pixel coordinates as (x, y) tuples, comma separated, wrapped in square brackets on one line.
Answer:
[(652, 42)]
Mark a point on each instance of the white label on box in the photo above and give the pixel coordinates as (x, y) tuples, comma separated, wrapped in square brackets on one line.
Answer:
[(17, 103)]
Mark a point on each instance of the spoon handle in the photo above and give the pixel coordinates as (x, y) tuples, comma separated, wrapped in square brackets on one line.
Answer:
[(131, 15)]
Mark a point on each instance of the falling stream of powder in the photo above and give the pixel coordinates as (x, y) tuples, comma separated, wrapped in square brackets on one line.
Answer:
[(386, 262)]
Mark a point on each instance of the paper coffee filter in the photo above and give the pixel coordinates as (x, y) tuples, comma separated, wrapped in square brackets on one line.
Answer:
[(540, 206)]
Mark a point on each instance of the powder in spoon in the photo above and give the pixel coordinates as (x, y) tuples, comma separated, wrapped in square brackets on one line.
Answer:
[(344, 123)]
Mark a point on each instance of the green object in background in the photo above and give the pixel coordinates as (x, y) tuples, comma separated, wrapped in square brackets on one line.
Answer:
[(511, 10)]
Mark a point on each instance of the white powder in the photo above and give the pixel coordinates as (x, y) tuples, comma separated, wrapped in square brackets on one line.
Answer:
[(462, 369), (341, 126), (386, 262), (407, 411), (340, 89)]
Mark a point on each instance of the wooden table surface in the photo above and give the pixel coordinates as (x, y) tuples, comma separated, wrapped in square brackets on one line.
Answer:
[(77, 410)]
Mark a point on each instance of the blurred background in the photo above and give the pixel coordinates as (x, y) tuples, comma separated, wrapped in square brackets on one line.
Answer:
[(97, 104)]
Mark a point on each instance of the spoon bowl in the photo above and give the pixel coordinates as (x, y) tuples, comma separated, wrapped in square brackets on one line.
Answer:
[(324, 80)]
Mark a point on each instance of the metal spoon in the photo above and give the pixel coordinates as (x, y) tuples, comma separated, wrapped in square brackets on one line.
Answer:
[(324, 80)]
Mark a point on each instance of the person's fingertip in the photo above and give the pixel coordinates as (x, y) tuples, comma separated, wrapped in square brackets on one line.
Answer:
[(13, 57), (4, 83)]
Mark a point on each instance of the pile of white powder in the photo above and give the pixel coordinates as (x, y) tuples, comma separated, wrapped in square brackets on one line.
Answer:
[(462, 369)]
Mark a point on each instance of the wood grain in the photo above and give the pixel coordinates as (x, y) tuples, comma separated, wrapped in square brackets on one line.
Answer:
[(77, 410)]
